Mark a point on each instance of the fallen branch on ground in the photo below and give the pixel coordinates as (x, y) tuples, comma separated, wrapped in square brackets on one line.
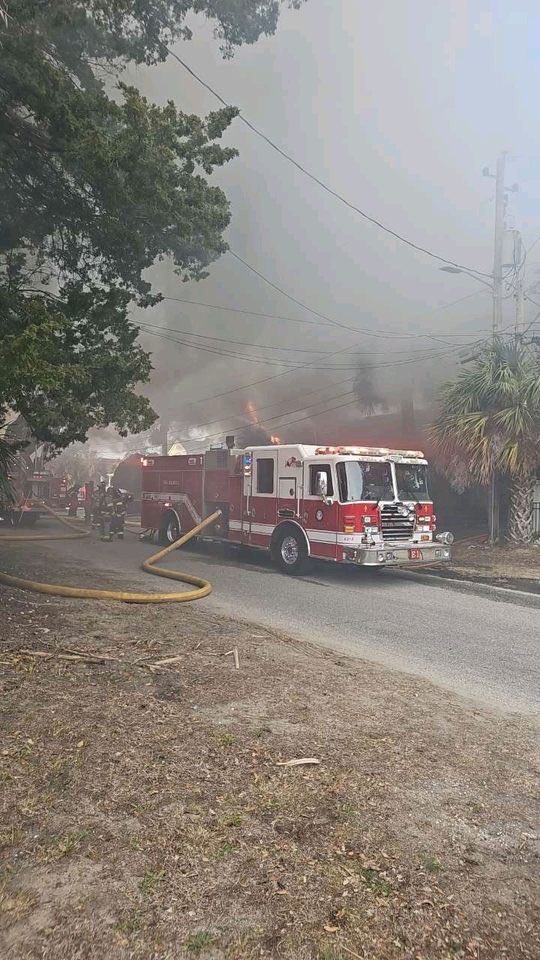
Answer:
[(301, 762), (234, 653)]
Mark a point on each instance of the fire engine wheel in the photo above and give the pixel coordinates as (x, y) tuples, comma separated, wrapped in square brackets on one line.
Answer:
[(169, 532), (289, 552)]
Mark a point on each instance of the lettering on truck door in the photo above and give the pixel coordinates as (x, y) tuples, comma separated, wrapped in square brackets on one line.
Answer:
[(320, 518)]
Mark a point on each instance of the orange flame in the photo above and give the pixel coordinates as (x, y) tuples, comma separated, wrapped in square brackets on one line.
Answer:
[(275, 439)]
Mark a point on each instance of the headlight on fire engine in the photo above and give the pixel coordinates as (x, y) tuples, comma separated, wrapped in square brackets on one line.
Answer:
[(447, 537)]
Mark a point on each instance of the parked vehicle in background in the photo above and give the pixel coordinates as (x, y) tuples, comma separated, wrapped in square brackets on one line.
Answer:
[(46, 488)]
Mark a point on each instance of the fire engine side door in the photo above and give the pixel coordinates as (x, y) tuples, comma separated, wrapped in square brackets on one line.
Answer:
[(320, 517)]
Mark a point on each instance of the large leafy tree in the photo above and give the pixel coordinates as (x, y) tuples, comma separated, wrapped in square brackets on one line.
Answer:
[(96, 184), (489, 423)]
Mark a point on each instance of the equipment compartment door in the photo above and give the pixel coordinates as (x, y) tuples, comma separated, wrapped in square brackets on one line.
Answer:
[(287, 504), (247, 487)]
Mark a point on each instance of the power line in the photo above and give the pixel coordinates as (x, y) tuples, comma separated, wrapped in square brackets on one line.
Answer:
[(303, 407), (328, 320), (285, 413), (244, 386), (254, 383), (258, 423), (262, 346), (279, 426), (242, 343), (264, 380), (299, 303), (383, 335), (277, 316), (274, 362), (281, 362), (321, 183), (532, 246), (248, 313), (303, 366), (276, 403)]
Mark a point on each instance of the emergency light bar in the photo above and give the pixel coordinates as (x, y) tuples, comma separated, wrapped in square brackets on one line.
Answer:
[(368, 452)]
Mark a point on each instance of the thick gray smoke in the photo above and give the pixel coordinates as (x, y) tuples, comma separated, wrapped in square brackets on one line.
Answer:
[(398, 107)]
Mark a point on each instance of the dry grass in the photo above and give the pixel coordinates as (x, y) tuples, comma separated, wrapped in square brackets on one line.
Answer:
[(144, 814), (500, 563)]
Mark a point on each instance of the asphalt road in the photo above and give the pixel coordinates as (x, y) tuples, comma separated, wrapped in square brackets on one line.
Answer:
[(480, 647)]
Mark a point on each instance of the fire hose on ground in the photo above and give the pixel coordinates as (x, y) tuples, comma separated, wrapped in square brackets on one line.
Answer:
[(203, 587)]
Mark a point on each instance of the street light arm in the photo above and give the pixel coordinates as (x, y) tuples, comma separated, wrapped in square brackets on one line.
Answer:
[(467, 274)]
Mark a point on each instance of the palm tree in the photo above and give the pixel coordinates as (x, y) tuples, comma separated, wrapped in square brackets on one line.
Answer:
[(490, 420)]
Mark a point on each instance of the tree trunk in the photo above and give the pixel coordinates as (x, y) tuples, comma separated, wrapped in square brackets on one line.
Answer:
[(520, 520)]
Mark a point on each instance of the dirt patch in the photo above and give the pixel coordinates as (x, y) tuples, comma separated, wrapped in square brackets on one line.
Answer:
[(501, 561), (145, 814), (505, 565)]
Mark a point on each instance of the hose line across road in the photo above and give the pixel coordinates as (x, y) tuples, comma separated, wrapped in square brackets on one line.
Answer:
[(202, 587)]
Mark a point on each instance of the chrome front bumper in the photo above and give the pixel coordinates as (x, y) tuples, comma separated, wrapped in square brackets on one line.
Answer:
[(398, 554)]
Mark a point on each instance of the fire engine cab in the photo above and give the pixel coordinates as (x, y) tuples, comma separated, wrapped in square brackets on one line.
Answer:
[(364, 505)]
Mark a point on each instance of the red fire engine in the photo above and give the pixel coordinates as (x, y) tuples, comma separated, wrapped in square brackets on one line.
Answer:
[(362, 505), (29, 495), (47, 488)]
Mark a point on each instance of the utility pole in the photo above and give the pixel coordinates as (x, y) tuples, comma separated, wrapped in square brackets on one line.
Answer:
[(520, 298), (500, 208)]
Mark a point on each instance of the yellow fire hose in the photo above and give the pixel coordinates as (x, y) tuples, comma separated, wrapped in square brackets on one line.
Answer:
[(203, 587)]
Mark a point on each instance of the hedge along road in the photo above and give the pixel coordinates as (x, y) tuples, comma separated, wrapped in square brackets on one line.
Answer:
[(482, 647)]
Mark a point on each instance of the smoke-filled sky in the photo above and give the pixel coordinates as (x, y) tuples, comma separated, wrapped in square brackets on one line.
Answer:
[(397, 106)]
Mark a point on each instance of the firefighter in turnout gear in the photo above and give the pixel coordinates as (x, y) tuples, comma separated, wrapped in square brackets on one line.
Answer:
[(121, 498), (97, 495), (105, 512)]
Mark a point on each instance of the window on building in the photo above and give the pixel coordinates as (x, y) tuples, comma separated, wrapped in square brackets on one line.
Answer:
[(265, 475), (316, 468)]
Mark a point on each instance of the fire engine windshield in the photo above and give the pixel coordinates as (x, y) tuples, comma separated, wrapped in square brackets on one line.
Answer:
[(412, 481), (362, 480)]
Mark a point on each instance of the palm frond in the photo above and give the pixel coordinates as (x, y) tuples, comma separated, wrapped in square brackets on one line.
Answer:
[(490, 415)]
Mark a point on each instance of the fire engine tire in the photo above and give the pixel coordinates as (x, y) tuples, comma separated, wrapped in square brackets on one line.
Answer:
[(169, 531), (289, 551)]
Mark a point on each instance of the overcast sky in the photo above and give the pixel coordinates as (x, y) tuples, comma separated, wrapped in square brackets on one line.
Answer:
[(398, 106)]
